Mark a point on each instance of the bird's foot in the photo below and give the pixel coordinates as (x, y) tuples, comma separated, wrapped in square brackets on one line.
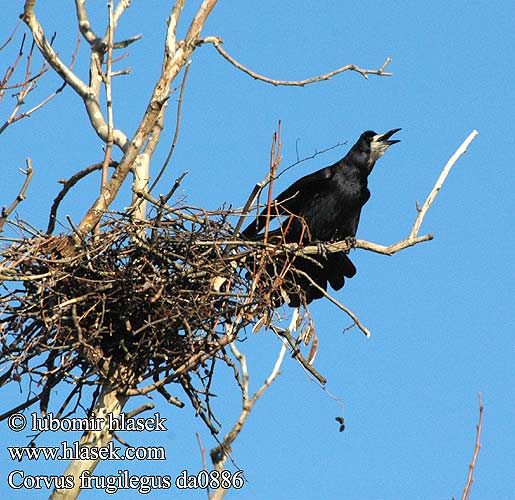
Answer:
[(321, 249), (351, 242)]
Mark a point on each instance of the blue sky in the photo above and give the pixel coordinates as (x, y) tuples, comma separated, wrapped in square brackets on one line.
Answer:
[(441, 313)]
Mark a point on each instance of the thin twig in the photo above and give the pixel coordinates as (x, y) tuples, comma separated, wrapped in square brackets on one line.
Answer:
[(256, 190), (30, 84), (177, 128), (477, 447), (11, 36), (203, 456), (297, 355), (164, 199), (311, 157), (346, 310), (6, 212)]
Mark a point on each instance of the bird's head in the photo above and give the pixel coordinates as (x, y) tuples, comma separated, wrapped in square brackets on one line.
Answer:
[(371, 146)]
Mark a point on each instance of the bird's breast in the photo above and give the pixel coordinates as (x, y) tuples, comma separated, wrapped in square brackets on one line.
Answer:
[(334, 214)]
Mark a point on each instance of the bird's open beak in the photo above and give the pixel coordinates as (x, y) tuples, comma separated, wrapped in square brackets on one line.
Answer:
[(386, 136)]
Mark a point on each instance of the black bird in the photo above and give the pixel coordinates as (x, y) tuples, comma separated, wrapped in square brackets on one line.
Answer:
[(324, 206)]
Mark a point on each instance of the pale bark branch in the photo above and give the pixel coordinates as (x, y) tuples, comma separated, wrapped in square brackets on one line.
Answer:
[(138, 208), (124, 44), (440, 181), (198, 22), (172, 21), (89, 94), (29, 17), (171, 68), (120, 9), (217, 43), (84, 23)]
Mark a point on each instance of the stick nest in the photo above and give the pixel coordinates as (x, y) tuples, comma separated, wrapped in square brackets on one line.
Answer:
[(139, 301)]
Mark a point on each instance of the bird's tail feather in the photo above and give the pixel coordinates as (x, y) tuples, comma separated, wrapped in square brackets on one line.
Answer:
[(339, 267)]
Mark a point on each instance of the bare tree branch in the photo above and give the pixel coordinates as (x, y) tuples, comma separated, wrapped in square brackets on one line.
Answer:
[(217, 43), (439, 183), (125, 43), (346, 310), (204, 462), (172, 21), (297, 354), (26, 86), (84, 23), (122, 6), (171, 68), (88, 94), (11, 36)]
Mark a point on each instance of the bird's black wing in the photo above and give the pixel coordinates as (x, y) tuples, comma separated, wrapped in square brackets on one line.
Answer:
[(293, 199)]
